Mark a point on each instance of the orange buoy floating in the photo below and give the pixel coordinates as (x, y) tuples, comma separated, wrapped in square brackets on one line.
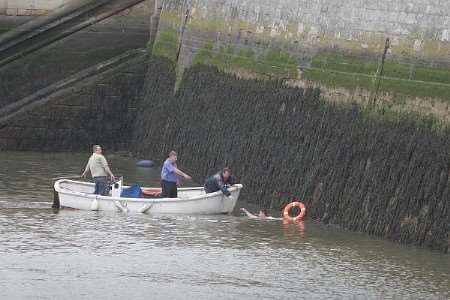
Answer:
[(153, 192), (290, 206)]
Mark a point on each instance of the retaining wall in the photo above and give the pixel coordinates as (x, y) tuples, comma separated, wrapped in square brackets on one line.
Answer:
[(30, 7), (102, 111), (387, 176), (329, 43), (97, 43)]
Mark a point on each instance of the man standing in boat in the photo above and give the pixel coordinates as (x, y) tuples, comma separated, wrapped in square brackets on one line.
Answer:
[(169, 176), (99, 168), (220, 182)]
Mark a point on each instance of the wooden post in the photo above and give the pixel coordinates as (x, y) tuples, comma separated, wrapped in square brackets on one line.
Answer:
[(180, 41), (154, 25), (379, 74)]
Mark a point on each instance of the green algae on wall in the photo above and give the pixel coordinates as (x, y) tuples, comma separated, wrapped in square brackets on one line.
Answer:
[(332, 70), (351, 81), (275, 63), (399, 79), (350, 72), (170, 18), (346, 63), (166, 45)]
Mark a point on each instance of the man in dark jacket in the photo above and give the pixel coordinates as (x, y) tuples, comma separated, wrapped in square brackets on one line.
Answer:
[(220, 182)]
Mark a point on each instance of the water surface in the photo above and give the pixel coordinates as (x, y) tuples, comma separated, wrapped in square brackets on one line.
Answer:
[(69, 254)]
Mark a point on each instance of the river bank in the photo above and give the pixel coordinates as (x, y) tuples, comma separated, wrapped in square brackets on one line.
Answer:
[(383, 174)]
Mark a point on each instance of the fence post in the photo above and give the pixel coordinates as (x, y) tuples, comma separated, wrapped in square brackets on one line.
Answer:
[(379, 73)]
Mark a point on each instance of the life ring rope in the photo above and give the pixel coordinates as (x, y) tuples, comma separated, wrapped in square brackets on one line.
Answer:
[(290, 206)]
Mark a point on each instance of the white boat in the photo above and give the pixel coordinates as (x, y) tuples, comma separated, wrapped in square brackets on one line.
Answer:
[(191, 200)]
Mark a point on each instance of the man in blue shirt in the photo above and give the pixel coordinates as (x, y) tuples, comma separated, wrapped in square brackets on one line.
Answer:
[(169, 176)]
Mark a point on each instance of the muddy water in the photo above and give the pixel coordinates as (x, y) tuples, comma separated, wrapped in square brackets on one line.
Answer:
[(66, 254)]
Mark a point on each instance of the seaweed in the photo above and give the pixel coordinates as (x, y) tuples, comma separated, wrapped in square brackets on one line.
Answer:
[(386, 175)]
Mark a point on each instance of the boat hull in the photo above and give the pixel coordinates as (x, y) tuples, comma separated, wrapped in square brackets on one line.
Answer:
[(79, 195)]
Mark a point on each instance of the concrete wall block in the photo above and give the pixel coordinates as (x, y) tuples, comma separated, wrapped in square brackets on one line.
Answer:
[(340, 19), (24, 12), (401, 30), (36, 4), (11, 12), (73, 121), (32, 12), (41, 6), (327, 14), (3, 6), (21, 4)]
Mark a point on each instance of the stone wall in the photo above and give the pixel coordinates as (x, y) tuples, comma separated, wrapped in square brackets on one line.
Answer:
[(30, 7), (387, 176), (100, 112), (100, 109), (102, 41), (333, 44), (418, 29)]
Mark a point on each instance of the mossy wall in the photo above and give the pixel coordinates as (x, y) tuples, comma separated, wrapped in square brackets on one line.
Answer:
[(417, 29), (339, 70), (166, 45), (275, 63), (388, 177), (333, 44), (102, 111), (81, 50)]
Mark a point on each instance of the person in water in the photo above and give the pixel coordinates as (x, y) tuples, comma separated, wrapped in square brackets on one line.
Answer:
[(261, 215), (169, 176), (99, 168), (220, 182)]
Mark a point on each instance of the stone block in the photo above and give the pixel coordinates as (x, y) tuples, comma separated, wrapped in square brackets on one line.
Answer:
[(11, 11), (32, 12), (24, 12), (47, 4)]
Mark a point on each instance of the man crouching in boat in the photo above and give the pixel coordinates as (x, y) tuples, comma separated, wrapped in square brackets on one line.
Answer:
[(169, 179), (99, 168), (220, 182)]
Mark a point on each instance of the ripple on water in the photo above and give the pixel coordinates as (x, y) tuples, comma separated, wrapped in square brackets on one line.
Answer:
[(72, 254)]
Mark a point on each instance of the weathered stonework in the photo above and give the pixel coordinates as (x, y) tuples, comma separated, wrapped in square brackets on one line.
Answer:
[(102, 41), (30, 7), (102, 111), (418, 29), (239, 36), (432, 107), (99, 108), (385, 176)]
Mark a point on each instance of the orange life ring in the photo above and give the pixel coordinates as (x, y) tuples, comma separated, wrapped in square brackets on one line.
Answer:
[(292, 205), (155, 192)]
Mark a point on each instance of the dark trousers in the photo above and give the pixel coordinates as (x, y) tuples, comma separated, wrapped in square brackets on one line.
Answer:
[(101, 185), (169, 189)]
